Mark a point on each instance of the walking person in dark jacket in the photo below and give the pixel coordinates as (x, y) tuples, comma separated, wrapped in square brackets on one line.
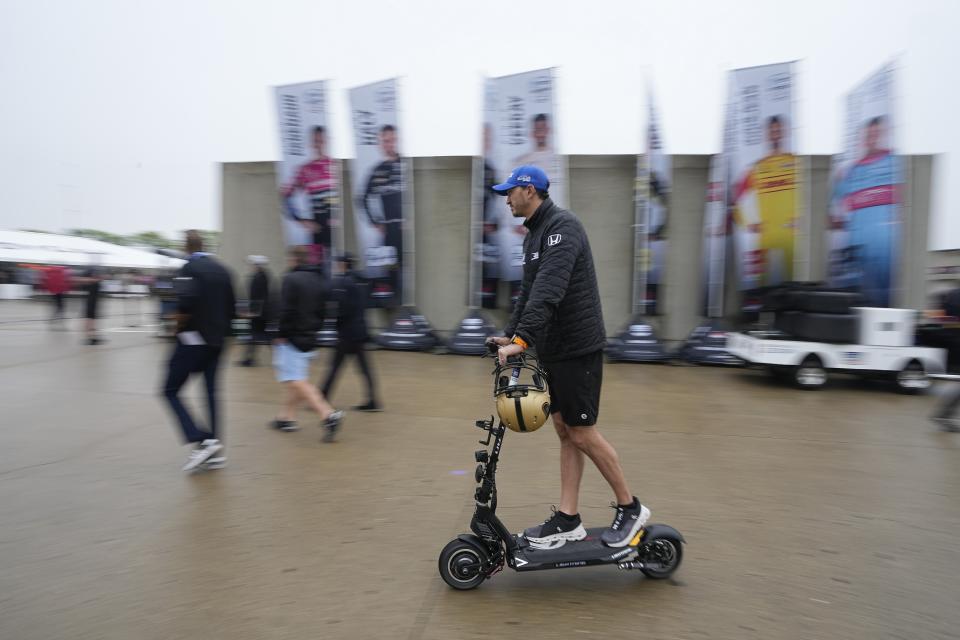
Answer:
[(352, 332), (945, 416), (258, 307), (559, 314), (205, 309), (303, 297), (93, 284)]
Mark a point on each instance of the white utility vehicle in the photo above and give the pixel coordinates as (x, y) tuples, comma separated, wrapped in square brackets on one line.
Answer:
[(885, 348)]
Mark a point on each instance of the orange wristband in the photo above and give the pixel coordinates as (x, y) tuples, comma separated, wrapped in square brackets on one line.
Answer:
[(520, 341)]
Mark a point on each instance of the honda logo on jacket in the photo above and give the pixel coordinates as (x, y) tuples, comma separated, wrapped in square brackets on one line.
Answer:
[(553, 239)]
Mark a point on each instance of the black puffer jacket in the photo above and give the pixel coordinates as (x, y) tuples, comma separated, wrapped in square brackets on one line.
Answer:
[(558, 312), (303, 297)]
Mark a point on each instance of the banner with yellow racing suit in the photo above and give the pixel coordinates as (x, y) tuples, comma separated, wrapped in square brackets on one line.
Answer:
[(764, 176)]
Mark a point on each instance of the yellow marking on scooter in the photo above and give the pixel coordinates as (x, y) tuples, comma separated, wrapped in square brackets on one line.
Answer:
[(636, 538)]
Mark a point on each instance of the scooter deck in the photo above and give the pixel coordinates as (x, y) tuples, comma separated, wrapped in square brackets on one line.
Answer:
[(582, 553)]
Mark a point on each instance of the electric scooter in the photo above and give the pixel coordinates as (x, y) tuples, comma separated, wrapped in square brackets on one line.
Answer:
[(465, 562)]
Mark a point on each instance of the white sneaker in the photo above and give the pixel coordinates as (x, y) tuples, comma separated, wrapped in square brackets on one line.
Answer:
[(202, 453), (217, 462)]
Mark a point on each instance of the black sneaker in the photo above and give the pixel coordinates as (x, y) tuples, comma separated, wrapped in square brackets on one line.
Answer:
[(248, 362), (555, 531), (332, 425), (371, 407), (626, 524), (284, 425)]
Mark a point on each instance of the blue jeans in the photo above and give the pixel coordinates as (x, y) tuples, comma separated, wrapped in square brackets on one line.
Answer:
[(188, 359)]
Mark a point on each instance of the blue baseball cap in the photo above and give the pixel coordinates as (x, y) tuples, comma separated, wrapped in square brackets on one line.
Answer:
[(522, 176)]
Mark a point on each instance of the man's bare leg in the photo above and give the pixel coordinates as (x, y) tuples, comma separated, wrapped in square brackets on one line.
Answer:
[(571, 468), (589, 441), (313, 397), (291, 402)]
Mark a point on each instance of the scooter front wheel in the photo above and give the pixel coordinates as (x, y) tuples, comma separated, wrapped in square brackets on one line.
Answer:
[(661, 557), (462, 565)]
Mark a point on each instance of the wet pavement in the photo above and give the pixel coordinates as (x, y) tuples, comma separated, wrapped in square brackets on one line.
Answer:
[(829, 514)]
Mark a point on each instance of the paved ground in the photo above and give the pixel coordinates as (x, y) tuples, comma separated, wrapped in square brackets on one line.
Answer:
[(829, 514)]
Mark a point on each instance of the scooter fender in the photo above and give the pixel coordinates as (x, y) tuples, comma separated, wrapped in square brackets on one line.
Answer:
[(652, 531), (474, 541)]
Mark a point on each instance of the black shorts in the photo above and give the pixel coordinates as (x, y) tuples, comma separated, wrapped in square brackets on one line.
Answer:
[(575, 388)]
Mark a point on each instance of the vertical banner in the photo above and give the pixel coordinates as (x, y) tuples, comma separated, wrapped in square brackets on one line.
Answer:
[(491, 210), (520, 111), (864, 228), (652, 193), (714, 238), (379, 186), (308, 177), (765, 176)]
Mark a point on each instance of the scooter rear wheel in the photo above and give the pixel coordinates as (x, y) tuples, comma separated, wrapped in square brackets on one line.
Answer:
[(661, 557), (462, 565)]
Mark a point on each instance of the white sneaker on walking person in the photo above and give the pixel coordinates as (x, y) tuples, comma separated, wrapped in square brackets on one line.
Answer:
[(216, 462), (202, 453)]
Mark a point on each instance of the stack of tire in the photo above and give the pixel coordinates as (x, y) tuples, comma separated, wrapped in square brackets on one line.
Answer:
[(810, 311)]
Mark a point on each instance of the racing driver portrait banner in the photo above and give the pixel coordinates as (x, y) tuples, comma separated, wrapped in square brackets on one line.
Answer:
[(308, 178), (716, 222), (866, 185), (764, 176), (379, 185), (714, 239), (519, 128), (652, 194)]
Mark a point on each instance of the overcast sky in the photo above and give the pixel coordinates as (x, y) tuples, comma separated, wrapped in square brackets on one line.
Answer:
[(115, 113)]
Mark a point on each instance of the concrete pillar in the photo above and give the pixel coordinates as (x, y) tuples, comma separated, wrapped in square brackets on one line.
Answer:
[(441, 195), (684, 287), (913, 255), (250, 219), (601, 195)]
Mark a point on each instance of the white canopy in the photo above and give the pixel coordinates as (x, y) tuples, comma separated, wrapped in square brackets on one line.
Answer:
[(50, 248)]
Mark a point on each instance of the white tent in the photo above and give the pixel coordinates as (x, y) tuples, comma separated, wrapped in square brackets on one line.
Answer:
[(49, 248)]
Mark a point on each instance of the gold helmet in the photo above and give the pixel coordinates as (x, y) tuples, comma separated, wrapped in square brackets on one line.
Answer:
[(522, 407)]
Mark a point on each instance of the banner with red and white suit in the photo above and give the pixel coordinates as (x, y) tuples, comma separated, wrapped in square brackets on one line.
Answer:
[(308, 177)]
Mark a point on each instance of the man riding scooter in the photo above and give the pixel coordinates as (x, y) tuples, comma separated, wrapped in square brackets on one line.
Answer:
[(559, 314)]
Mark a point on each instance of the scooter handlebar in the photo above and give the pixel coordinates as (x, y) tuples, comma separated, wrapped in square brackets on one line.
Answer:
[(491, 347)]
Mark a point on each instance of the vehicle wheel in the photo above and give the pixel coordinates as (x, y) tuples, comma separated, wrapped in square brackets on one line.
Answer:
[(913, 378), (661, 557), (810, 374), (462, 565)]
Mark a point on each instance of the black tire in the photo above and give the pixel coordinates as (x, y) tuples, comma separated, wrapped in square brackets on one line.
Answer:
[(661, 557), (912, 379), (462, 565), (810, 374)]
